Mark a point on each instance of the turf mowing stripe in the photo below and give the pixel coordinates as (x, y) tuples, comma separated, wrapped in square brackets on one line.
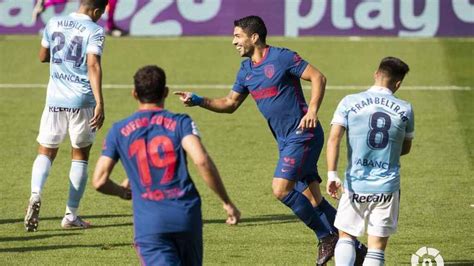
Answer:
[(228, 87)]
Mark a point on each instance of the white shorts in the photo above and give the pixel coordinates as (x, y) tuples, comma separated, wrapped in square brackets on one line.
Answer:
[(57, 122), (378, 211)]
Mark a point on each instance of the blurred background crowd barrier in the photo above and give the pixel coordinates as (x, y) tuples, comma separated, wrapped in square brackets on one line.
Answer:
[(407, 18)]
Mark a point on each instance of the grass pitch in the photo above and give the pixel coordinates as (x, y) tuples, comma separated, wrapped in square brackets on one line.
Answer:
[(437, 192)]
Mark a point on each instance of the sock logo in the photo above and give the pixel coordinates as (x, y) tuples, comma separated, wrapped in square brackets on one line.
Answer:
[(427, 255)]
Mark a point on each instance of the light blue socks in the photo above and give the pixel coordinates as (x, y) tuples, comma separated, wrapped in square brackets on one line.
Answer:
[(40, 172), (345, 253), (77, 185)]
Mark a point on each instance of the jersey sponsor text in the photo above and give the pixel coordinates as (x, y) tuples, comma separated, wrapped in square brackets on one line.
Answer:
[(372, 163), (71, 78), (54, 109), (371, 198), (159, 194)]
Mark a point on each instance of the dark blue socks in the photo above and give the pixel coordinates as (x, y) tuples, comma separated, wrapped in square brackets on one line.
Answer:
[(327, 213), (302, 207)]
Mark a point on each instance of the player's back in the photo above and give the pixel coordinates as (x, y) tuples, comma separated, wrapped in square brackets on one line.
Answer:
[(377, 125), (164, 196), (70, 38)]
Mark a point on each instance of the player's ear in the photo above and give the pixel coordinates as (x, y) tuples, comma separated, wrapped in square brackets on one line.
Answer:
[(97, 13), (255, 37), (165, 93), (134, 94), (398, 84)]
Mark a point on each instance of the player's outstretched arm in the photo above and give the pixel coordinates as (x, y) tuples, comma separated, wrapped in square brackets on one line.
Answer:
[(208, 170), (332, 153), (227, 104), (44, 55), (102, 183), (318, 87), (94, 69)]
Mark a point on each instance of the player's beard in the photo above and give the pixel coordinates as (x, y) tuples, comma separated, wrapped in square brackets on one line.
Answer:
[(248, 51)]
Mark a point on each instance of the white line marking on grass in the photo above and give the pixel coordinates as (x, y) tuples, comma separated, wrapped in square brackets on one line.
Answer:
[(228, 87), (472, 205)]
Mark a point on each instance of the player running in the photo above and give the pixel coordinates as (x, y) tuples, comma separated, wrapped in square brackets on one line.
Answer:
[(380, 129), (152, 145), (271, 75)]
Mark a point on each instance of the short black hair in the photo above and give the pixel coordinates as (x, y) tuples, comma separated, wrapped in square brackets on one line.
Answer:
[(251, 25), (100, 4), (150, 84), (394, 68)]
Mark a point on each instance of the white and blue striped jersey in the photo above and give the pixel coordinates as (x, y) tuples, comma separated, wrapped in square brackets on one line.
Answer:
[(69, 39), (377, 123)]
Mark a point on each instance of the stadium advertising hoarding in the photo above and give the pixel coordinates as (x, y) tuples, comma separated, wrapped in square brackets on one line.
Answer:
[(408, 18)]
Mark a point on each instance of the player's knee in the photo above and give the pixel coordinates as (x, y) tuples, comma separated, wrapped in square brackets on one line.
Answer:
[(50, 152), (81, 153), (280, 194)]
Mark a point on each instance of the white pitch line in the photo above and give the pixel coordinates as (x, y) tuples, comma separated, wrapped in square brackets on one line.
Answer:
[(228, 87)]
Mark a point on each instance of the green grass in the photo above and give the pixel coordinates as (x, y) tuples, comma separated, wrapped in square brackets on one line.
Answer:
[(437, 190)]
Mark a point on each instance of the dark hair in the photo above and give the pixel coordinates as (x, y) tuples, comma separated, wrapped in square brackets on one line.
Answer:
[(394, 67), (100, 4), (150, 84), (251, 25)]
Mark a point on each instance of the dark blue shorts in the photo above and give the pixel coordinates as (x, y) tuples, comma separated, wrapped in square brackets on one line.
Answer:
[(299, 155), (183, 248)]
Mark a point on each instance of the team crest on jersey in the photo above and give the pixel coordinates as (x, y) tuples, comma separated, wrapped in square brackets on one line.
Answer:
[(269, 71), (297, 59)]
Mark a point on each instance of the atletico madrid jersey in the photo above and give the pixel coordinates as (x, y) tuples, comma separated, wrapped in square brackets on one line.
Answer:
[(274, 83), (148, 143)]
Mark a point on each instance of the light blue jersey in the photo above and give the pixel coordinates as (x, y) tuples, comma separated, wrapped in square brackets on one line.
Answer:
[(377, 123), (69, 39)]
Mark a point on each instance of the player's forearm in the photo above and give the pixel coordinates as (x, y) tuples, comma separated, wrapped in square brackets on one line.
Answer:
[(110, 188), (318, 87), (210, 174), (95, 77), (332, 154), (220, 105)]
